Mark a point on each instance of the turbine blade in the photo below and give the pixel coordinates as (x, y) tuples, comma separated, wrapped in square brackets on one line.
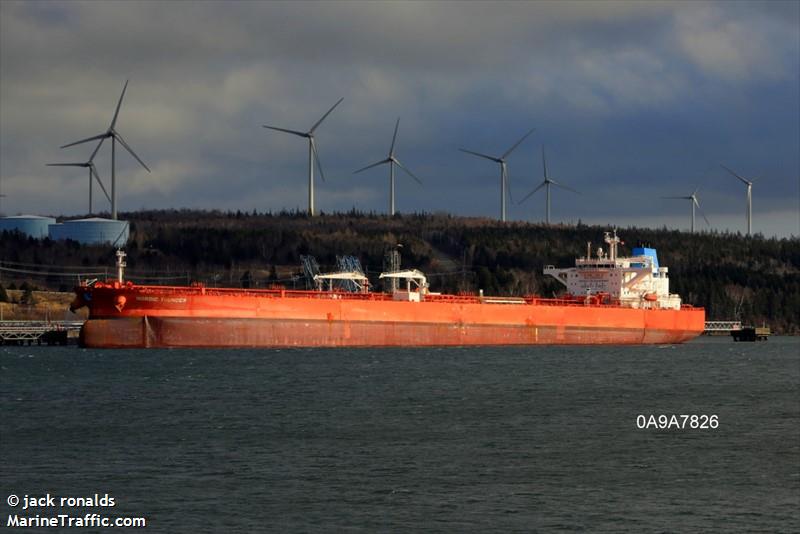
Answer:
[(746, 182), (129, 149), (508, 183), (103, 140), (679, 198), (562, 186), (311, 131), (316, 158), (696, 203), (492, 158), (510, 150), (101, 136), (67, 165), (411, 174), (93, 170), (381, 162), (394, 137), (529, 195), (116, 113), (295, 132), (544, 163)]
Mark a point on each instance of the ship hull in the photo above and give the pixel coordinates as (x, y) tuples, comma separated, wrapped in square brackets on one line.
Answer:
[(131, 317), (204, 332)]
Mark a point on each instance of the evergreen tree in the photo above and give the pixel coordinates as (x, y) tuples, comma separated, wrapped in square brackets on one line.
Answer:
[(27, 297)]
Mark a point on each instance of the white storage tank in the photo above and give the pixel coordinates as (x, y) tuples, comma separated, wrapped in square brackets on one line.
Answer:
[(31, 225), (92, 231)]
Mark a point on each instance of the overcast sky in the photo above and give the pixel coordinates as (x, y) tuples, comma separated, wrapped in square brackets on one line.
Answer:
[(633, 100)]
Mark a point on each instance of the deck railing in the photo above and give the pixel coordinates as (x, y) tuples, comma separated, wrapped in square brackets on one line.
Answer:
[(346, 295)]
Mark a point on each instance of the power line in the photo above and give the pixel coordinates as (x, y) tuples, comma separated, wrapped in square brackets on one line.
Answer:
[(23, 264), (131, 272), (51, 273)]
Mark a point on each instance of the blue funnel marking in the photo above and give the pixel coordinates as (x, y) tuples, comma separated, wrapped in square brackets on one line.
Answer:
[(646, 251)]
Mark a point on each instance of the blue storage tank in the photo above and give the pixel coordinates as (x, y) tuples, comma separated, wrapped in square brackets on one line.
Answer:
[(92, 231), (32, 225)]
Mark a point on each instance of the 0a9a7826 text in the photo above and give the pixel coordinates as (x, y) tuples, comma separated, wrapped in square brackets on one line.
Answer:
[(677, 422)]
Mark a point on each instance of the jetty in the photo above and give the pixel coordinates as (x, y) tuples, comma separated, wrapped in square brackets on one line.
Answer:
[(39, 332), (751, 333), (737, 331), (721, 328)]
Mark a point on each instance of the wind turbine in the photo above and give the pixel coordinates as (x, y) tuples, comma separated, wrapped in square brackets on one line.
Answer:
[(546, 183), (115, 137), (92, 173), (312, 153), (749, 185), (392, 161), (695, 204), (503, 171)]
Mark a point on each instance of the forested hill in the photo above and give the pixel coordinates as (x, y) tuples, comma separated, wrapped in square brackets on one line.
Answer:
[(754, 279)]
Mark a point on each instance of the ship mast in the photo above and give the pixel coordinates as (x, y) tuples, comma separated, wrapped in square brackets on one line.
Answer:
[(121, 265), (612, 244)]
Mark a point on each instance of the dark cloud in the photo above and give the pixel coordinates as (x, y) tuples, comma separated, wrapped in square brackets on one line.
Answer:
[(635, 100)]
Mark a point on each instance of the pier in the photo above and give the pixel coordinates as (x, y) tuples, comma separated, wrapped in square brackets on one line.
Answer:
[(736, 331), (38, 332), (717, 328), (751, 333)]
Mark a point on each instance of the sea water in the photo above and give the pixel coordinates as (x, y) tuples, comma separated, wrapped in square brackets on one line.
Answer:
[(416, 439)]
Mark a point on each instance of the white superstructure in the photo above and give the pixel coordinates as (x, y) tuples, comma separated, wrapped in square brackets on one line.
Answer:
[(637, 281), (416, 284)]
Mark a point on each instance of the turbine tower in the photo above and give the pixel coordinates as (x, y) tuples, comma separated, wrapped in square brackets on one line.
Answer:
[(695, 204), (749, 184), (92, 174), (546, 183), (312, 153), (392, 161), (115, 137), (503, 171)]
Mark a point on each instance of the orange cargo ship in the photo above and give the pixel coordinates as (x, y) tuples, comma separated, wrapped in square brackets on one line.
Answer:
[(609, 300)]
